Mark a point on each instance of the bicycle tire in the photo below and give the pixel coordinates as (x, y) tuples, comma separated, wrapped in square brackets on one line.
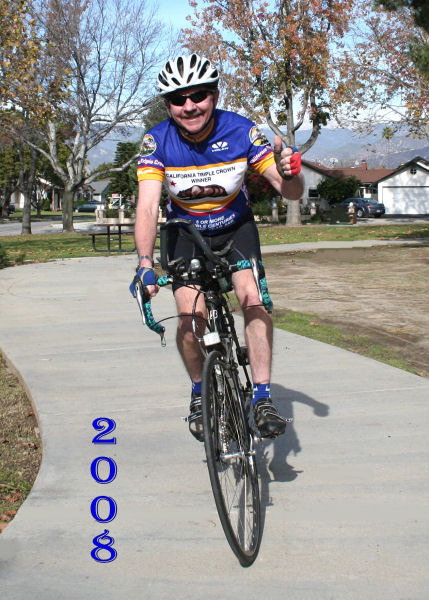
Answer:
[(230, 461)]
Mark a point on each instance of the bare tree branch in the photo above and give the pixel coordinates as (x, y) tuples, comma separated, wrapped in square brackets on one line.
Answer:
[(109, 50)]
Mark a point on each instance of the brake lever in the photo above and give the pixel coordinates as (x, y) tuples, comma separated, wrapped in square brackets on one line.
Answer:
[(142, 296), (144, 303)]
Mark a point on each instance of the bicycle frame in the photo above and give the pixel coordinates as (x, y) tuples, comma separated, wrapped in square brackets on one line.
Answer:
[(222, 334)]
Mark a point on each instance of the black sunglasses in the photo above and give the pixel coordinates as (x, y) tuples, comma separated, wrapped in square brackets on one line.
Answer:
[(196, 97)]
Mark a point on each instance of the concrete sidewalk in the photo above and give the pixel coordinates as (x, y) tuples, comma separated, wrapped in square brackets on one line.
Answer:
[(345, 491)]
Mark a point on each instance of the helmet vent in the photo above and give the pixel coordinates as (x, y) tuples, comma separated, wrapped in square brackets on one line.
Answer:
[(204, 68), (180, 66)]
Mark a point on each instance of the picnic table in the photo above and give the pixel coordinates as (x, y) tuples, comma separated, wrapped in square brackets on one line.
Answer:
[(111, 229)]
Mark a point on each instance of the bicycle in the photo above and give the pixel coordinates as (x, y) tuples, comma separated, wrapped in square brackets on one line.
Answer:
[(229, 437)]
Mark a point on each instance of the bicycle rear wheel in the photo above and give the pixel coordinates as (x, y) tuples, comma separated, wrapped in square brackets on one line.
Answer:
[(230, 460)]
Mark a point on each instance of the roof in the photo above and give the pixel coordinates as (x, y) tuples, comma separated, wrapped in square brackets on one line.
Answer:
[(367, 175), (100, 186), (418, 161), (362, 173)]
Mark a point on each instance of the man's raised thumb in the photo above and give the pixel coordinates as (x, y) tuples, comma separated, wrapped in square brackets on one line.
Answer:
[(277, 143)]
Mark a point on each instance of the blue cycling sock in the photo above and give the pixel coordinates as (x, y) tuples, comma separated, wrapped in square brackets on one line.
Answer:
[(260, 390), (196, 387)]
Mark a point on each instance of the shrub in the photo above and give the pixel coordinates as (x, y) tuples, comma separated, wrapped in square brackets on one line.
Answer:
[(258, 187), (262, 208), (113, 213), (336, 189)]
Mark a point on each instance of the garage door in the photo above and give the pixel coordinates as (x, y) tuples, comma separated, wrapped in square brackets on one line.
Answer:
[(401, 200)]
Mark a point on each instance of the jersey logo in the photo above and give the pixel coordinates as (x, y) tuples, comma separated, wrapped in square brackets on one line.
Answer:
[(218, 146), (148, 146), (257, 138)]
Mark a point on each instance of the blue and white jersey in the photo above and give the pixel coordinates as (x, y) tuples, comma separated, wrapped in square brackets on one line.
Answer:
[(205, 178)]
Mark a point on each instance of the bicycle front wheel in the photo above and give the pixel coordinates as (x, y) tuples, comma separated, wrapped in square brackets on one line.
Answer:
[(230, 459)]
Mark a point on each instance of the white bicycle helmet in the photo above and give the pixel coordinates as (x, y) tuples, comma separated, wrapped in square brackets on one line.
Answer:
[(186, 71)]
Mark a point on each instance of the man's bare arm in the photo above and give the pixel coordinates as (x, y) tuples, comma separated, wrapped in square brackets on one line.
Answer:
[(147, 218), (291, 188)]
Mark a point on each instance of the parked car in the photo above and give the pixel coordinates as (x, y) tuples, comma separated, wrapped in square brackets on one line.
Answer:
[(365, 207), (89, 206), (8, 208)]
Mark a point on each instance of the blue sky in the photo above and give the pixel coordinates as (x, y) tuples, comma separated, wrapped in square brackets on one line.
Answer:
[(173, 11)]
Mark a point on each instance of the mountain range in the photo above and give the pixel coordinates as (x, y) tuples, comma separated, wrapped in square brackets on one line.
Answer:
[(333, 147), (346, 148)]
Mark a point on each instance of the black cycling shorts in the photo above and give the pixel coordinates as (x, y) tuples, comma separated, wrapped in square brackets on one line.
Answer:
[(246, 244)]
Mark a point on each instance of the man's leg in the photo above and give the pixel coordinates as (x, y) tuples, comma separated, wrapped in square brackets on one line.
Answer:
[(258, 326), (190, 352), (259, 339), (187, 345)]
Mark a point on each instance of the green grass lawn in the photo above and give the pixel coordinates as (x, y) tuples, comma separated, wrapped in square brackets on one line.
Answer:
[(43, 247), (279, 234)]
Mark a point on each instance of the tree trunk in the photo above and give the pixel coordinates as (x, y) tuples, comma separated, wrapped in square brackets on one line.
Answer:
[(67, 206), (293, 213), (26, 214), (27, 184)]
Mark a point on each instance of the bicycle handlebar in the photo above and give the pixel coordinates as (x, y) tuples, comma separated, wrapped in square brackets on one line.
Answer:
[(142, 296)]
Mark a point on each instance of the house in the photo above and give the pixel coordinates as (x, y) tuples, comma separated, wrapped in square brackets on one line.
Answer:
[(314, 173), (99, 190), (404, 190), (368, 177), (45, 193)]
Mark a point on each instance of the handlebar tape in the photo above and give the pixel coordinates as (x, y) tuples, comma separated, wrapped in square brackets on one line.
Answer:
[(144, 302)]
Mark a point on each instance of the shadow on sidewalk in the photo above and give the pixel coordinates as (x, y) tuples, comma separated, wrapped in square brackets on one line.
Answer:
[(272, 455)]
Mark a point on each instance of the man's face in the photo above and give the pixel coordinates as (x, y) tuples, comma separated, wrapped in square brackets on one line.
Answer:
[(194, 115)]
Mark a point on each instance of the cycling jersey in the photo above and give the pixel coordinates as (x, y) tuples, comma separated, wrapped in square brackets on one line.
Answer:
[(205, 178)]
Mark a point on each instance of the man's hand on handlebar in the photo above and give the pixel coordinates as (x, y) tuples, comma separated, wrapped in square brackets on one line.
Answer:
[(148, 279)]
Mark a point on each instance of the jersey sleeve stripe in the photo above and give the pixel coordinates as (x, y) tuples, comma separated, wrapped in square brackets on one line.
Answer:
[(150, 173), (265, 162)]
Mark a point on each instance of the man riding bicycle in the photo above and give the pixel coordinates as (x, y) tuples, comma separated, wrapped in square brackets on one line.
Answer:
[(200, 154)]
